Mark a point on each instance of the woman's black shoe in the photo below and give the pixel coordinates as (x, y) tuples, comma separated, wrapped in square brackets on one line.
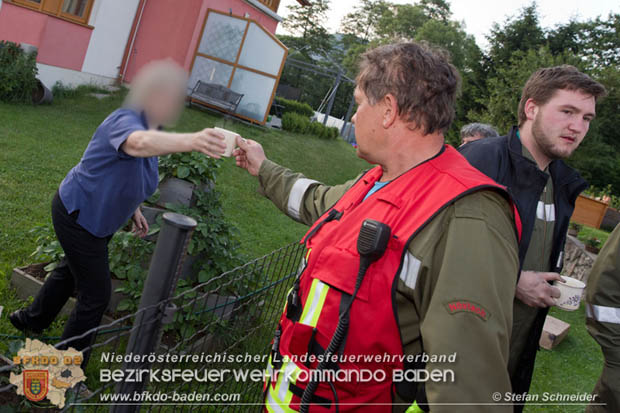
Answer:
[(16, 318)]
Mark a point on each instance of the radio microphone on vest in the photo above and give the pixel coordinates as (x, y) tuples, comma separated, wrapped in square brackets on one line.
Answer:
[(372, 242)]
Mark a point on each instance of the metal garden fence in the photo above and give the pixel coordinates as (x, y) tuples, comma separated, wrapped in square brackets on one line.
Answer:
[(219, 331)]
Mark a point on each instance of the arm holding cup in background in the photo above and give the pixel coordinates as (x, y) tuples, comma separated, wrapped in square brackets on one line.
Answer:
[(534, 289)]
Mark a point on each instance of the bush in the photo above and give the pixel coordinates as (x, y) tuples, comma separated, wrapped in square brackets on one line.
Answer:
[(18, 73), (296, 123), (293, 106)]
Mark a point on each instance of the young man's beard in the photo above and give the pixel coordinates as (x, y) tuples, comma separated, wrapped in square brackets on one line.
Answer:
[(546, 144)]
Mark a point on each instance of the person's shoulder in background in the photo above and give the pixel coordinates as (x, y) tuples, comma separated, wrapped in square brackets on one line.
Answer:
[(487, 155)]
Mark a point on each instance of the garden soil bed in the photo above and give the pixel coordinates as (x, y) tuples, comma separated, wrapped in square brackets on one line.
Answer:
[(28, 280)]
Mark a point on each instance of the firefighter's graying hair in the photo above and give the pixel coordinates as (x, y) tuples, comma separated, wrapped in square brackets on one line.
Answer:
[(423, 81)]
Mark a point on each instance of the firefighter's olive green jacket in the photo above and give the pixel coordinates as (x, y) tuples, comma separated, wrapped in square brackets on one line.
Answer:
[(603, 321), (467, 254)]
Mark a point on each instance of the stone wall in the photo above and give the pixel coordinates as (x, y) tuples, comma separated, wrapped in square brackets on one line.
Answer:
[(577, 261)]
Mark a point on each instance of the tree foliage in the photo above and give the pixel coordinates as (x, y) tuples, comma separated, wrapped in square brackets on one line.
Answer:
[(363, 21), (492, 80), (308, 23)]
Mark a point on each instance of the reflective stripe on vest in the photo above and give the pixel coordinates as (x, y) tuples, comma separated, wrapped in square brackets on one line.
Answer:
[(603, 314), (406, 204), (314, 303), (414, 408), (279, 397)]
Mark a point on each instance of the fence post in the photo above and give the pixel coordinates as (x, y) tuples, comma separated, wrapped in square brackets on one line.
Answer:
[(347, 117), (332, 98), (161, 282)]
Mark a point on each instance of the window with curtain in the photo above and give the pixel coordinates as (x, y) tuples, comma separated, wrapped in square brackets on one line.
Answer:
[(73, 10), (75, 7)]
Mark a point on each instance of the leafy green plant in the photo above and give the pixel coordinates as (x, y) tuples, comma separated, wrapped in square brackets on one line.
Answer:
[(194, 167), (605, 194), (296, 123), (293, 106), (129, 260), (18, 71), (48, 248), (592, 242), (214, 240)]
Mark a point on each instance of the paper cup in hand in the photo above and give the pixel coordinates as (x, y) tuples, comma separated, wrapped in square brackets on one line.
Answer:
[(231, 141), (571, 291)]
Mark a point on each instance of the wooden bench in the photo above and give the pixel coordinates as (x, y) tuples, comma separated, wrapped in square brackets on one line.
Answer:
[(216, 95)]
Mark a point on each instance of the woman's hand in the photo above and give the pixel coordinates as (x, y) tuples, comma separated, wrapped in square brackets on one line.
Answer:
[(140, 226), (210, 142)]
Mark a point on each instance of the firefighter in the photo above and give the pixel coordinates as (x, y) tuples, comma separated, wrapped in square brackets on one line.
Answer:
[(603, 323), (556, 107), (437, 301)]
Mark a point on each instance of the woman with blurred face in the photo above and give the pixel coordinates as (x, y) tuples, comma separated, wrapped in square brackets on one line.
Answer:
[(117, 172)]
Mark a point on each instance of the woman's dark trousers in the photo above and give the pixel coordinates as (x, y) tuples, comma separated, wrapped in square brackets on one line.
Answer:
[(85, 270)]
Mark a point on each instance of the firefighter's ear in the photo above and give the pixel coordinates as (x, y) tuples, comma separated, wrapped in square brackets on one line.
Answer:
[(390, 110)]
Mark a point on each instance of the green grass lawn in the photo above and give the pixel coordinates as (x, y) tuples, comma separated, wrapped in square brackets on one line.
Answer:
[(588, 232), (38, 145), (573, 367)]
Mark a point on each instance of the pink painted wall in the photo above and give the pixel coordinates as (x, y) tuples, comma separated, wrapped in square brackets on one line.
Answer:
[(172, 29), (60, 42)]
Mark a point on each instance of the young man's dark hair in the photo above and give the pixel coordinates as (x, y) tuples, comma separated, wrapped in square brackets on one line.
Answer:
[(557, 106), (544, 82)]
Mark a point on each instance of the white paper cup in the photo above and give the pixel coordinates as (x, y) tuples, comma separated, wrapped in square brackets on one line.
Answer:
[(231, 141), (571, 291)]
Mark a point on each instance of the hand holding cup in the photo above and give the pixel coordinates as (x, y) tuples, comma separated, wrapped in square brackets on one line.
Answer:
[(249, 156), (209, 141)]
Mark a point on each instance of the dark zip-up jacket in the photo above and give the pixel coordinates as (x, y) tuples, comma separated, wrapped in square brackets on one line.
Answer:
[(501, 158)]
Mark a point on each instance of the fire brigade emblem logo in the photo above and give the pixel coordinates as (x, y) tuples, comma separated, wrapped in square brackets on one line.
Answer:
[(35, 384)]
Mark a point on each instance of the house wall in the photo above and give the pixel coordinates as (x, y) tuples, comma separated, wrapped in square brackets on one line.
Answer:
[(112, 20), (76, 54), (71, 53), (172, 29), (60, 43)]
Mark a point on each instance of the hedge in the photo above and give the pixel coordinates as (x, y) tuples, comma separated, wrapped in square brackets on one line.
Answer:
[(18, 71), (293, 106), (296, 123)]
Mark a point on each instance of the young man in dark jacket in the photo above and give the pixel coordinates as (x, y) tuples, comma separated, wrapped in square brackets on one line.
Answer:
[(555, 111)]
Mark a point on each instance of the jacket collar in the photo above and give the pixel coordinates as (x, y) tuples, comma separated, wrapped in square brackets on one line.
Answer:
[(561, 173)]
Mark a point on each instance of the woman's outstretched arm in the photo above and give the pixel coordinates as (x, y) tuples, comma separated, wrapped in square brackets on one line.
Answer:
[(147, 143)]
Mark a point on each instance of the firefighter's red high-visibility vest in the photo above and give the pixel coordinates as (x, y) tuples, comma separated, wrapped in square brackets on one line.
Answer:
[(406, 204)]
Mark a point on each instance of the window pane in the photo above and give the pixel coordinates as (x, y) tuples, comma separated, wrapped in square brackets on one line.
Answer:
[(256, 89), (75, 7), (209, 71), (261, 52), (222, 37)]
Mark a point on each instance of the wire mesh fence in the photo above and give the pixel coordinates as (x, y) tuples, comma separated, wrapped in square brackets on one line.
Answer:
[(200, 349)]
